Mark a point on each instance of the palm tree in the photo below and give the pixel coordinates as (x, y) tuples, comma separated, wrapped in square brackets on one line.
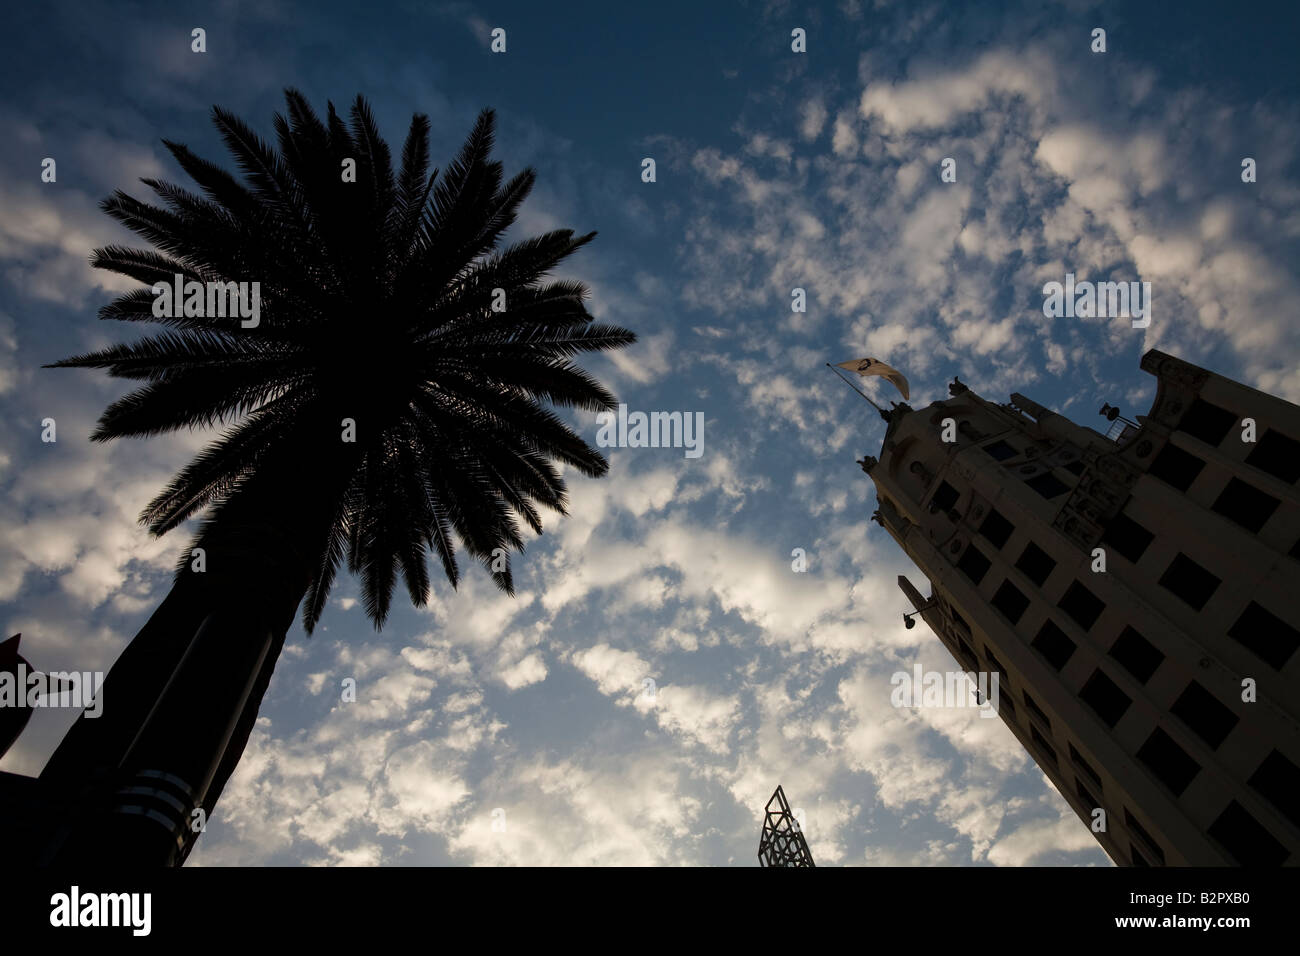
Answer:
[(383, 409)]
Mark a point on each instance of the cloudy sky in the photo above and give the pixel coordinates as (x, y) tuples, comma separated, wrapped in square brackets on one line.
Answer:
[(774, 170)]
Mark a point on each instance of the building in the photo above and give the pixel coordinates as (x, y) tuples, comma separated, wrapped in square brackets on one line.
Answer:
[(1137, 592)]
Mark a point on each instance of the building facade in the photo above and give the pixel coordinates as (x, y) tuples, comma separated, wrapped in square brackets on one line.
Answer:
[(1137, 592)]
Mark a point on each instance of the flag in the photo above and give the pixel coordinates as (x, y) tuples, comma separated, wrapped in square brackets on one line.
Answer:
[(870, 366)]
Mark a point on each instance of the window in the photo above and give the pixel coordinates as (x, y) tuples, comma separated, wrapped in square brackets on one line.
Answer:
[(1088, 799), (1011, 602), (1278, 779), (1168, 761), (1048, 485), (1075, 467), (1205, 714), (945, 498), (1137, 857), (1176, 467), (973, 564), (1037, 711), (1138, 655), (1004, 682), (1246, 505), (1141, 831), (1246, 839), (1052, 643), (1191, 582), (961, 622), (999, 450), (1207, 422), (1084, 766), (1005, 702), (1036, 564), (1277, 455), (968, 653), (996, 528), (1127, 537), (1082, 605), (1043, 745), (1104, 696), (1272, 639)]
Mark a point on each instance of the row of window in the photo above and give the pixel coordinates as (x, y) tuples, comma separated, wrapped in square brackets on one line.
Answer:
[(1269, 637), (1001, 450), (1259, 630), (1277, 779), (1082, 768), (1134, 826), (1196, 707), (1273, 453), (1045, 483), (1239, 501), (1247, 840)]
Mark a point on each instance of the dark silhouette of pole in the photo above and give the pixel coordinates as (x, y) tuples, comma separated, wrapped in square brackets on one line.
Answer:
[(883, 414)]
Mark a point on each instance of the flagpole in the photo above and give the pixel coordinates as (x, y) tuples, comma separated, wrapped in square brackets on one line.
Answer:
[(883, 414)]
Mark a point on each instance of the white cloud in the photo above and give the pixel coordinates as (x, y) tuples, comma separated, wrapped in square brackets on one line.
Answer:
[(812, 117)]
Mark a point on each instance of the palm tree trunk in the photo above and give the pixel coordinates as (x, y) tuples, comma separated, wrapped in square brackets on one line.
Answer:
[(181, 701), (177, 711), (95, 746)]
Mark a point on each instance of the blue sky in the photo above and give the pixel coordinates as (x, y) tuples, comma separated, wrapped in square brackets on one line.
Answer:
[(775, 170)]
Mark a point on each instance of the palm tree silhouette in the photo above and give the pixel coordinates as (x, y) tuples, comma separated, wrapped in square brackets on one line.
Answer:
[(381, 317)]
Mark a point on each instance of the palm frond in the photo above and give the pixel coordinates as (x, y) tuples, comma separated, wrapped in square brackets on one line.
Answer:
[(377, 305)]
